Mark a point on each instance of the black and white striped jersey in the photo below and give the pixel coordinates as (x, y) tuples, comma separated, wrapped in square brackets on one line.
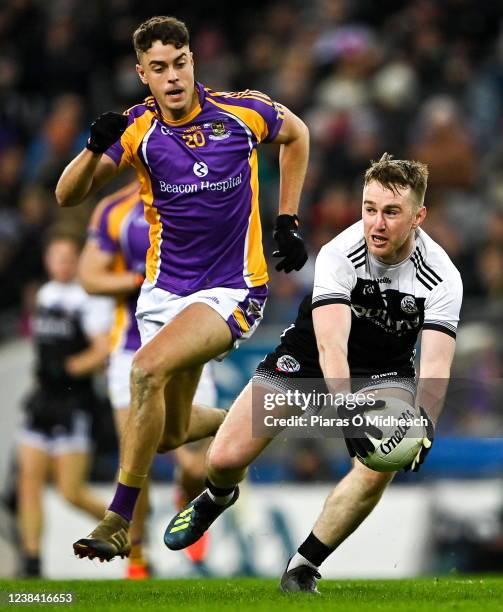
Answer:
[(390, 304), (66, 317)]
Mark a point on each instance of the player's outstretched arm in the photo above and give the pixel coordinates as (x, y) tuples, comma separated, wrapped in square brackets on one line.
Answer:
[(85, 174), (98, 278), (332, 324), (293, 157), (90, 170), (437, 353)]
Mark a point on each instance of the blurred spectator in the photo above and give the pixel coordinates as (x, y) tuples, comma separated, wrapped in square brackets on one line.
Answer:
[(490, 269), (444, 144), (11, 164), (336, 209), (476, 392), (59, 140), (495, 227)]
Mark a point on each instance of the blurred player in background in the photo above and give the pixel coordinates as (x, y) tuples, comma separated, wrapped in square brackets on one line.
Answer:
[(71, 335), (377, 285), (113, 263), (194, 151)]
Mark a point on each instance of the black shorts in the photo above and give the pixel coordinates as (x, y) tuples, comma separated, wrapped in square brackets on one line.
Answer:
[(57, 424), (284, 371)]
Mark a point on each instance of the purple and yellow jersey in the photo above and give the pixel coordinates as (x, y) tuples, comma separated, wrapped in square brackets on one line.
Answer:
[(118, 227), (199, 183)]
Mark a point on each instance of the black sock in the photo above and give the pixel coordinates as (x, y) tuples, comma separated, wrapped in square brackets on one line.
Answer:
[(31, 567), (217, 491), (314, 551)]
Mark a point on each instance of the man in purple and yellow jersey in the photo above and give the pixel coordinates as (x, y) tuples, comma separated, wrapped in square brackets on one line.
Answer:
[(194, 152), (113, 263)]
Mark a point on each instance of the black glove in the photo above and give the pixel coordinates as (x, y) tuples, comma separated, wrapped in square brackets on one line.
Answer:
[(290, 244), (426, 445), (356, 435), (105, 130)]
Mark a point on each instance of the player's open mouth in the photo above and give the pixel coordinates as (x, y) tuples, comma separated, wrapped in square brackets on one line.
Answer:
[(175, 93), (378, 240)]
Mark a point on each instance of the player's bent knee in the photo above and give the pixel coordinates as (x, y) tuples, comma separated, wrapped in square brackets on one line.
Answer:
[(225, 460), (145, 378)]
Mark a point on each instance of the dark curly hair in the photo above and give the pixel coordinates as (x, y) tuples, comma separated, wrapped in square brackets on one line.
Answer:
[(169, 30)]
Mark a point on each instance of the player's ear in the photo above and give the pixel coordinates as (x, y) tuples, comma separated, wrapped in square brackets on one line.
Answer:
[(141, 74), (191, 55), (419, 217)]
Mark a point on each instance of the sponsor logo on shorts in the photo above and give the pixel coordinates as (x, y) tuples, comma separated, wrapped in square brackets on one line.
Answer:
[(408, 304), (384, 375), (287, 363), (254, 308)]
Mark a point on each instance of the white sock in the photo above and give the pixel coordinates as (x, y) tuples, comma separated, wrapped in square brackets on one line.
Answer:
[(298, 560), (221, 500)]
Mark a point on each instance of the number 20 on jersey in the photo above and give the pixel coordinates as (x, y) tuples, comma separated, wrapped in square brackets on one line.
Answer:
[(194, 140)]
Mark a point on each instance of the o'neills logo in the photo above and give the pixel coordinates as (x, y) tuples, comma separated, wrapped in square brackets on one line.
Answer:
[(393, 441)]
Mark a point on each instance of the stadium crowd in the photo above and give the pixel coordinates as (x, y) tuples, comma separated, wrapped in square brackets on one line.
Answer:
[(419, 79)]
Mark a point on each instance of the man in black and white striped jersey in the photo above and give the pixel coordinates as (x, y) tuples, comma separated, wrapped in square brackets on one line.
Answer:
[(377, 286)]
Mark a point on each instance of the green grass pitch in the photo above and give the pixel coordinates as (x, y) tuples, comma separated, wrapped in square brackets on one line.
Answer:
[(458, 594)]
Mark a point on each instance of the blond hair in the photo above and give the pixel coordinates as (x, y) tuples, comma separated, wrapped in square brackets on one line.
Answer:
[(399, 173)]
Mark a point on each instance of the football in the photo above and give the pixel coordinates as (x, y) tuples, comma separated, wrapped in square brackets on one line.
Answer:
[(403, 434)]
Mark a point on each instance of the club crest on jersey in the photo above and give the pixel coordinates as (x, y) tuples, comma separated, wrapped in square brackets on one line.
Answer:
[(286, 363), (218, 129), (408, 304)]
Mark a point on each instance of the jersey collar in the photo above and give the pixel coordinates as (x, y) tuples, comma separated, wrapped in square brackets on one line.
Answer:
[(376, 261)]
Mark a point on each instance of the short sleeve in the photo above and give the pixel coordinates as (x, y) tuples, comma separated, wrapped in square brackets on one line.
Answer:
[(99, 229), (273, 114), (334, 278), (442, 307), (97, 315), (262, 116)]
